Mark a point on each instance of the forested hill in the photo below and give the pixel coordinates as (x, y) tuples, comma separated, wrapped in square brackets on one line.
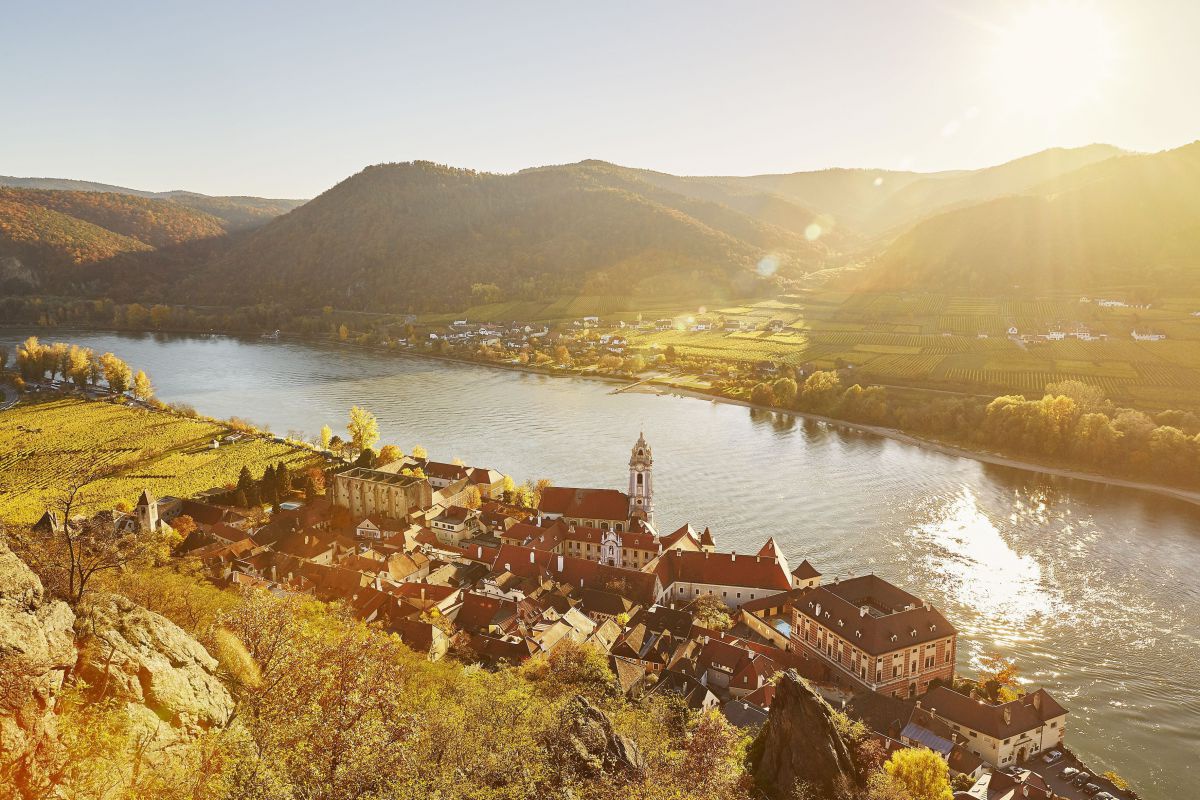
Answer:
[(1129, 220), (235, 212), (418, 236), (48, 237)]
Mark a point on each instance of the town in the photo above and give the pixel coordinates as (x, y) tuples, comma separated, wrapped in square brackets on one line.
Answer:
[(460, 563)]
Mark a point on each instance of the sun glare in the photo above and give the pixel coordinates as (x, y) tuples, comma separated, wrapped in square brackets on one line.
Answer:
[(1054, 58)]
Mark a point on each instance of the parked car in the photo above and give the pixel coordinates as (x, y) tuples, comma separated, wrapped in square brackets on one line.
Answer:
[(1105, 796), (1091, 788), (1052, 756), (1082, 778), (1068, 773)]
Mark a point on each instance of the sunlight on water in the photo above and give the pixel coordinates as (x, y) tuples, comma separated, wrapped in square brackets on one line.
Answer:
[(979, 569)]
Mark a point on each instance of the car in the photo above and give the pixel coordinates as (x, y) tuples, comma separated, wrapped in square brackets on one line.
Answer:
[(1068, 773), (1104, 796), (1082, 778), (1091, 788), (1052, 756)]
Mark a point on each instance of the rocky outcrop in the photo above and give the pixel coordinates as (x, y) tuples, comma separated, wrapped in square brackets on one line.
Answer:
[(801, 746), (165, 679), (36, 651), (135, 655), (593, 748)]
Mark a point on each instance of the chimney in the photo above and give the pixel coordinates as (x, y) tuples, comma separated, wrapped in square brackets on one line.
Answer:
[(733, 555), (531, 557), (1037, 700), (560, 563), (1008, 716)]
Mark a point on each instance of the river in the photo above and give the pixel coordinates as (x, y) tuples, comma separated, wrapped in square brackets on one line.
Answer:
[(1095, 590)]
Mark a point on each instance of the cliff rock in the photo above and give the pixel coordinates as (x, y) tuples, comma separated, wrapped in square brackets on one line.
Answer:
[(36, 650), (130, 653), (593, 747), (801, 745)]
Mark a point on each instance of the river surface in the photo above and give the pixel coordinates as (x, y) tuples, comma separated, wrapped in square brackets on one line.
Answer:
[(1095, 590)]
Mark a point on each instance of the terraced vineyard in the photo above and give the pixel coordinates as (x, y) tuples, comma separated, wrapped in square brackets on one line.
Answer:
[(965, 344), (44, 443)]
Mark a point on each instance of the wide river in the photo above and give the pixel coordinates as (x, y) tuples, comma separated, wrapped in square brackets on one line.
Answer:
[(1094, 589)]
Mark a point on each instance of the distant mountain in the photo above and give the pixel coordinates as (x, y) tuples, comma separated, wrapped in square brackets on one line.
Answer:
[(418, 236), (875, 201), (1126, 220), (235, 213)]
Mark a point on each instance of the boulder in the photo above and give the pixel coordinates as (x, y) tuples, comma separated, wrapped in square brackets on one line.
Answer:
[(800, 745), (592, 746), (36, 651), (132, 654)]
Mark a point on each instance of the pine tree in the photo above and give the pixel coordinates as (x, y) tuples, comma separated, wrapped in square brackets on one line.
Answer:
[(239, 499), (283, 480), (245, 481)]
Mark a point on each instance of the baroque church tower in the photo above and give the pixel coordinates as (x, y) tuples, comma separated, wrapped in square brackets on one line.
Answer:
[(641, 482)]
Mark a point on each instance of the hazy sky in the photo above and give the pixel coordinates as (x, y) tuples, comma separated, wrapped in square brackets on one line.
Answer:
[(288, 98)]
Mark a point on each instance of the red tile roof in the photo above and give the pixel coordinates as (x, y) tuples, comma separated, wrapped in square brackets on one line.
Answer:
[(536, 564), (893, 619), (722, 569), (606, 504), (1023, 714)]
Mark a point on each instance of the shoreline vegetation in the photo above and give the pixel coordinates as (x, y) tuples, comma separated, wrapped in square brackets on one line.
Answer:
[(662, 385)]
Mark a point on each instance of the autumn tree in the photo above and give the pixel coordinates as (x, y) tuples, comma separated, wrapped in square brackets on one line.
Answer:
[(419, 452), (142, 389), (363, 429), (117, 374), (998, 677), (919, 773), (387, 454), (472, 498), (326, 436), (711, 612)]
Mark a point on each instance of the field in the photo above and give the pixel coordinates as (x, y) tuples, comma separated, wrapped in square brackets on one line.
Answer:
[(44, 442), (964, 344)]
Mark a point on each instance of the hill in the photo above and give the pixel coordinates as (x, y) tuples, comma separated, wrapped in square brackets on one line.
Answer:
[(235, 213), (1125, 221), (45, 235), (420, 237)]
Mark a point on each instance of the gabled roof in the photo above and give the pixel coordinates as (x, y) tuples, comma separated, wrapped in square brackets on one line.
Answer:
[(536, 564), (873, 615), (479, 612), (998, 721), (722, 569), (683, 538), (607, 504)]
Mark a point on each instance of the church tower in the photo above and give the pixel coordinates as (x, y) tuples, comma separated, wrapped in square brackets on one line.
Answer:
[(146, 511), (641, 482)]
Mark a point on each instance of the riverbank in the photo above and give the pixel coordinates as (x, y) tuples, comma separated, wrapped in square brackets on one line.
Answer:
[(895, 434), (661, 384)]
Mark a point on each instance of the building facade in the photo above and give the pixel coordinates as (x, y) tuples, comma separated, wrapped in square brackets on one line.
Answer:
[(878, 635), (369, 491)]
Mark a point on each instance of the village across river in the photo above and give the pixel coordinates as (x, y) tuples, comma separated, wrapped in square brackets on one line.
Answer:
[(1092, 588)]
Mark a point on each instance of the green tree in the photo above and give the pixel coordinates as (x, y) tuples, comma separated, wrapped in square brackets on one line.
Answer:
[(326, 436)]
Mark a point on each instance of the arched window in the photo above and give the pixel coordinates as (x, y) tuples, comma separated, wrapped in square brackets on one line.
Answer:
[(639, 479), (603, 526)]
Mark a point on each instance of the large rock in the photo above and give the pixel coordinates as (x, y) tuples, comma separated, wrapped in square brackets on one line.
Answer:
[(593, 747), (801, 746), (36, 650), (133, 654)]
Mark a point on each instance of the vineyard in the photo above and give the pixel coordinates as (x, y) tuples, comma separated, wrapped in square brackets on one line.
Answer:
[(964, 343), (45, 444)]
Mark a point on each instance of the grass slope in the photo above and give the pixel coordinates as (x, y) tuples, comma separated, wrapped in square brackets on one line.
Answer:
[(45, 442)]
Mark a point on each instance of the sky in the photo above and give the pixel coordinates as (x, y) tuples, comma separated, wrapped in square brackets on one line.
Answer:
[(285, 99)]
